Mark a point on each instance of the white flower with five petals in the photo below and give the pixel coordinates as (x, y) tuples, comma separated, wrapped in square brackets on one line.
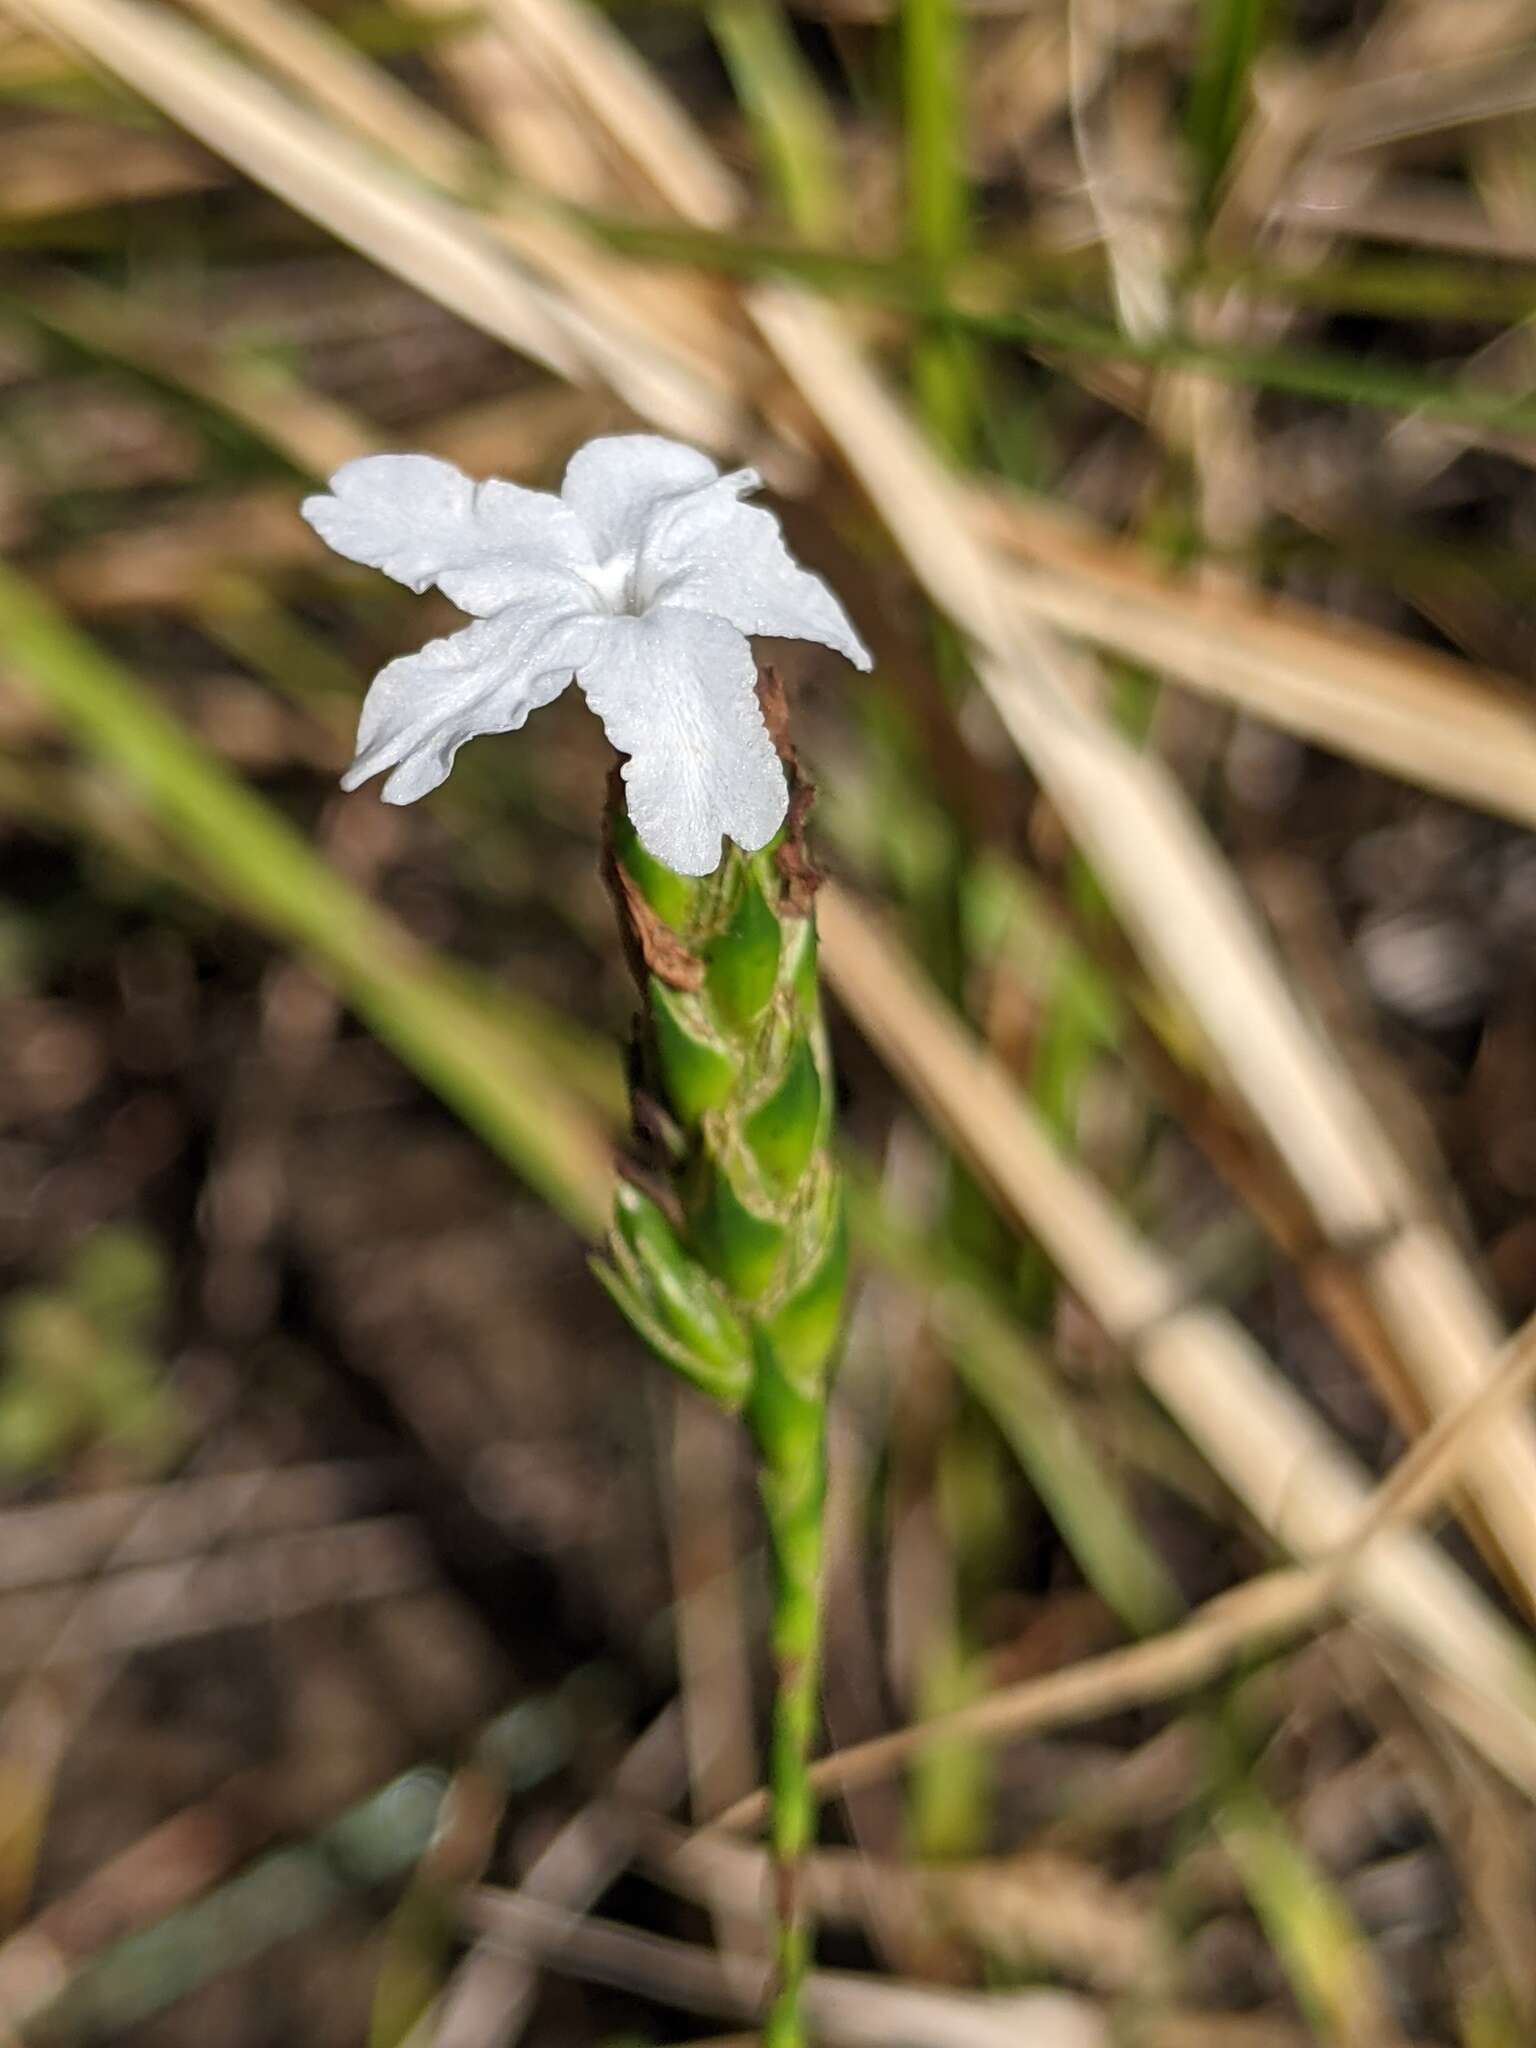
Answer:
[(642, 578)]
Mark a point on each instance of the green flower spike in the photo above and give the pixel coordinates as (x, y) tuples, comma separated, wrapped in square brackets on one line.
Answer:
[(732, 1263)]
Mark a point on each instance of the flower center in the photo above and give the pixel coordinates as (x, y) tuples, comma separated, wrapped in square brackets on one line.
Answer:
[(616, 584)]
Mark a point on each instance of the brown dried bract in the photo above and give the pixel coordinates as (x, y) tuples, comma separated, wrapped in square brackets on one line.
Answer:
[(653, 1184), (774, 703), (801, 877), (651, 945), (659, 947)]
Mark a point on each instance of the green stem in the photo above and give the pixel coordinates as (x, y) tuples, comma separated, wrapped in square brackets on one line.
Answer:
[(729, 1247), (790, 1429)]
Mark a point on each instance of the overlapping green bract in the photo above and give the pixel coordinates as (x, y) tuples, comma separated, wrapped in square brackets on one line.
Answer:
[(733, 1267)]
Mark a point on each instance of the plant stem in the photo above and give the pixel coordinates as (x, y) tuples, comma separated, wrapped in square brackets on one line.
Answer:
[(790, 1428), (729, 1247)]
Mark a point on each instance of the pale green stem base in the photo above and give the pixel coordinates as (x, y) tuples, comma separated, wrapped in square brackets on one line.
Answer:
[(791, 1434)]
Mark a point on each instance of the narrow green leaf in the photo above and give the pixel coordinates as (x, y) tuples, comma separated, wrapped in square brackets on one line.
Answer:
[(972, 303), (944, 374), (789, 116), (1231, 36), (1320, 1944), (255, 857)]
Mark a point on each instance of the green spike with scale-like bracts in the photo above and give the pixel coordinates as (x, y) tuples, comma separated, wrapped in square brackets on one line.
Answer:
[(728, 1251), (729, 1254)]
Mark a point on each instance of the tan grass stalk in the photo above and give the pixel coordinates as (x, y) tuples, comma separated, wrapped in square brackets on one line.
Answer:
[(489, 2000), (641, 116), (1365, 694), (263, 1581), (597, 115), (65, 169), (1436, 722), (1267, 1609), (1024, 1908), (295, 45), (583, 331), (366, 100), (315, 432), (51, 1541), (1183, 906), (854, 2009), (525, 113), (1274, 1453), (667, 370), (352, 192)]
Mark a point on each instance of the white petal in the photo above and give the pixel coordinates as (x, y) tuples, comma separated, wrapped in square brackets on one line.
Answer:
[(422, 708), (676, 692), (423, 521), (615, 483), (707, 552)]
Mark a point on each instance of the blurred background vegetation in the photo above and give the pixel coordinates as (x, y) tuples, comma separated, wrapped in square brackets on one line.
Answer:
[(1154, 379)]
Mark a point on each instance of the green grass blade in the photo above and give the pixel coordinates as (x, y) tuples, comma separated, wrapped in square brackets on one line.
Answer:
[(1011, 1382), (787, 112), (1315, 1936), (1231, 35), (938, 209), (478, 1062), (971, 306)]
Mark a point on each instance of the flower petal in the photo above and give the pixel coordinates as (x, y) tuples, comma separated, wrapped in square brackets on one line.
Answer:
[(676, 692), (423, 521), (615, 483), (422, 708), (707, 552)]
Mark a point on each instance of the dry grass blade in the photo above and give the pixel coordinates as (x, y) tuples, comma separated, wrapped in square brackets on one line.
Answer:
[(313, 432), (525, 115), (62, 171), (644, 121), (864, 2012), (65, 1539), (263, 1581), (1184, 908), (1430, 1467), (1424, 99), (1265, 1610), (1028, 1908), (1274, 1454), (488, 2001), (1432, 720), (325, 69), (660, 367), (358, 196), (576, 316)]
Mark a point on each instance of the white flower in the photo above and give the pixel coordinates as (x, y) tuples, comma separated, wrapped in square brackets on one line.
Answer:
[(643, 577)]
